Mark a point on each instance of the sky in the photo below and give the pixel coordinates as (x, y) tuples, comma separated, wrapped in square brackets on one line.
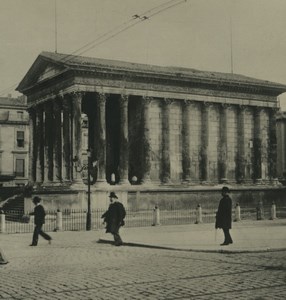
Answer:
[(195, 34)]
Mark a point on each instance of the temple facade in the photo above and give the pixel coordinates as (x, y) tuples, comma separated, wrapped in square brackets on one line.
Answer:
[(148, 128)]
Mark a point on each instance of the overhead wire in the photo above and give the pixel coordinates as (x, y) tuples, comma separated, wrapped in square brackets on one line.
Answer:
[(135, 19)]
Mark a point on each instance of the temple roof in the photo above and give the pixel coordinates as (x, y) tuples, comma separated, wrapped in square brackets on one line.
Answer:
[(73, 62)]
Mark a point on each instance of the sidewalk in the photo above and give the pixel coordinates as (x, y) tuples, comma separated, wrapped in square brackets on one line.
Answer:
[(248, 236)]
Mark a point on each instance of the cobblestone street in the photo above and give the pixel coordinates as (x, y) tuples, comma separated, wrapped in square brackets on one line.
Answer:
[(75, 266)]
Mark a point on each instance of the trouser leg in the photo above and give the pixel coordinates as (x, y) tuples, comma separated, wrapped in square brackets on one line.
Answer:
[(227, 237), (117, 238), (44, 235), (37, 229)]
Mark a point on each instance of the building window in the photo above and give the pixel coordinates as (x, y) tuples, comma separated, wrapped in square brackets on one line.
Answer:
[(20, 168), (20, 115), (20, 139)]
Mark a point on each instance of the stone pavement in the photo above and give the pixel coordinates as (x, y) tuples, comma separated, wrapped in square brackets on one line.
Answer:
[(75, 266), (248, 236)]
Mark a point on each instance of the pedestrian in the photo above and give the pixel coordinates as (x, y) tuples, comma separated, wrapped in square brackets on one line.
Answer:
[(223, 216), (39, 213), (114, 218)]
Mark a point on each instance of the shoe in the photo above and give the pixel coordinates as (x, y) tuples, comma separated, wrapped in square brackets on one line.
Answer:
[(32, 245), (224, 244), (50, 241), (118, 244)]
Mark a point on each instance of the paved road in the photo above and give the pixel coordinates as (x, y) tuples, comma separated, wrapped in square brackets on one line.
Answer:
[(75, 266)]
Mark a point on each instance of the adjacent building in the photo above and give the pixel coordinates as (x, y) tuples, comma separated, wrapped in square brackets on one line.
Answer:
[(163, 131), (14, 141)]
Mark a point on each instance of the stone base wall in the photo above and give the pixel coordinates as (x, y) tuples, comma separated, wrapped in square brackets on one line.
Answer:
[(137, 198), (208, 197)]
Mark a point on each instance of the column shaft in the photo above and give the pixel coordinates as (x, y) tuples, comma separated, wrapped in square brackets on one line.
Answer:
[(146, 141), (241, 145), (101, 149), (166, 162), (205, 143), (77, 132), (124, 147), (48, 176), (67, 165), (57, 108), (186, 159), (257, 140), (223, 145), (272, 157)]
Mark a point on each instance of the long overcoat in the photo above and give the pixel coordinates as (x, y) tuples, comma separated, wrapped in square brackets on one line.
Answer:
[(114, 217), (224, 212)]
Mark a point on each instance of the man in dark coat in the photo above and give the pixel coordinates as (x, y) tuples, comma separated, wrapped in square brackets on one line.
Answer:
[(223, 216), (39, 213), (114, 218)]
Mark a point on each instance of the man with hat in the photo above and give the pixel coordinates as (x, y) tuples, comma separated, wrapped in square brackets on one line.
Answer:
[(223, 216), (114, 218), (39, 213)]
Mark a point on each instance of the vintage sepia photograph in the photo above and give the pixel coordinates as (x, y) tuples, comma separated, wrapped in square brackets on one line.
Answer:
[(142, 149)]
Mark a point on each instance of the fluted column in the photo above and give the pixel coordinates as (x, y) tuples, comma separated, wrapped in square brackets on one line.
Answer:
[(124, 147), (40, 134), (77, 132), (241, 145), (48, 172), (272, 157), (101, 149), (186, 159), (32, 146), (257, 140), (223, 144), (166, 162), (57, 109), (146, 141), (205, 142), (67, 165)]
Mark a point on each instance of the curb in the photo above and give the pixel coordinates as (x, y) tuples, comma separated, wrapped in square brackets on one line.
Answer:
[(141, 245)]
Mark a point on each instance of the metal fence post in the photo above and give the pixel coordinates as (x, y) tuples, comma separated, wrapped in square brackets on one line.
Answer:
[(199, 217), (156, 216), (2, 222), (59, 221), (273, 211), (237, 213)]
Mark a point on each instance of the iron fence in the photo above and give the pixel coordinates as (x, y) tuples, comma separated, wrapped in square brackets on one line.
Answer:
[(17, 221)]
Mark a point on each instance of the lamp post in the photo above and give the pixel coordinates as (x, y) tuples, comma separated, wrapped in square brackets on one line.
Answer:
[(88, 215), (79, 169)]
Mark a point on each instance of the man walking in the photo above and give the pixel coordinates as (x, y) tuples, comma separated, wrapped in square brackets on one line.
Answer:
[(114, 218), (223, 216), (39, 213)]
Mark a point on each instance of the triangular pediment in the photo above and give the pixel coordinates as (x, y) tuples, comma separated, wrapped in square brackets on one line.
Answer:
[(41, 70), (49, 71)]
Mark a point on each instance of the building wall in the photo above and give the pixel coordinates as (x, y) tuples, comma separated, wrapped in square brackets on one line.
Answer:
[(13, 120)]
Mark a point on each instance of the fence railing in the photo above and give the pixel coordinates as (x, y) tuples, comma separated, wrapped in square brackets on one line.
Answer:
[(17, 221)]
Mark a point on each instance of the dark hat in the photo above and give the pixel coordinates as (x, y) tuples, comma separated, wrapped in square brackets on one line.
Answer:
[(36, 199), (112, 195), (225, 189)]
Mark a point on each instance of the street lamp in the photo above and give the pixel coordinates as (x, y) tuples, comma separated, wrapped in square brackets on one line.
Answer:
[(79, 169), (88, 215)]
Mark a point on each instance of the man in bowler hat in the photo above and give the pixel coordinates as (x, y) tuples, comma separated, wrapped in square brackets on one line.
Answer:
[(39, 213), (114, 218), (223, 216)]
